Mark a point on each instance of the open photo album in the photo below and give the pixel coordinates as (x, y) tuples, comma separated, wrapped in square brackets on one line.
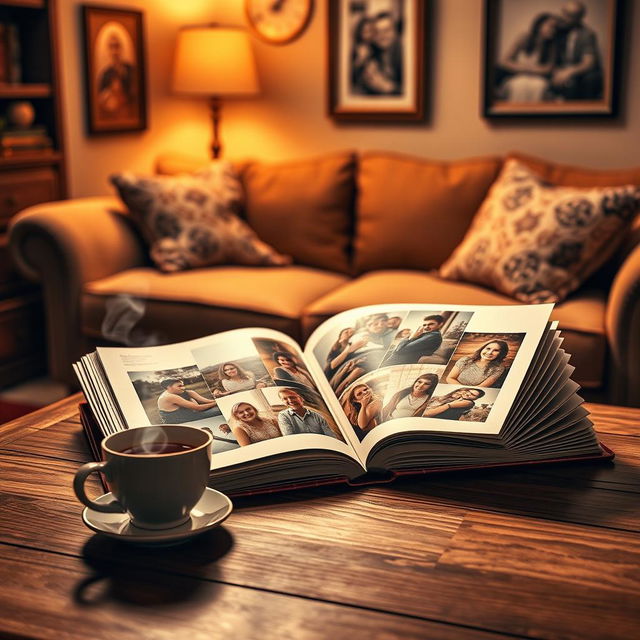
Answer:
[(376, 392)]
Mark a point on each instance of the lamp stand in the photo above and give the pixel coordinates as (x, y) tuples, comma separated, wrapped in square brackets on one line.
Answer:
[(216, 145)]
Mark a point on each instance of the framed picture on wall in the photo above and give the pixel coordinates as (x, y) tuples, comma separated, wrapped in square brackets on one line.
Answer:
[(114, 70), (376, 59), (552, 57)]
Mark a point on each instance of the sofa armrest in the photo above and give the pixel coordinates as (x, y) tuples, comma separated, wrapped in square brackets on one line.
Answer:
[(63, 245), (623, 332)]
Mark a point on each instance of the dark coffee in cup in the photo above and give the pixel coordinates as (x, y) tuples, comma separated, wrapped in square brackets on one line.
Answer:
[(157, 449)]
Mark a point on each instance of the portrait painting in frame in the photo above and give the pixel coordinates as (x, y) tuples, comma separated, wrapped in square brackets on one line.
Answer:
[(552, 58), (376, 59), (114, 70)]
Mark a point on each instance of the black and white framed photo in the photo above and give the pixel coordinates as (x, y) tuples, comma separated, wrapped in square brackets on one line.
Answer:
[(552, 57), (376, 59)]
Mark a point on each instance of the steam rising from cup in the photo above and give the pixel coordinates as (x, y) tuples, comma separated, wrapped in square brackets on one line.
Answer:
[(122, 314), (150, 440)]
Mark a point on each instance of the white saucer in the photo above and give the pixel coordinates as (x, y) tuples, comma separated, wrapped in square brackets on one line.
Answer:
[(211, 510)]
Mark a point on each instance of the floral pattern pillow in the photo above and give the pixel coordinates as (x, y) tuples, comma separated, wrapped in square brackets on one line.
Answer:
[(536, 242), (191, 220)]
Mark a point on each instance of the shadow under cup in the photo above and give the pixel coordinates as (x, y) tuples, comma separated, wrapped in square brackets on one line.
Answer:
[(157, 474)]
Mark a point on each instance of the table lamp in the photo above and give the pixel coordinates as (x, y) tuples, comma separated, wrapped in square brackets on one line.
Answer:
[(214, 61)]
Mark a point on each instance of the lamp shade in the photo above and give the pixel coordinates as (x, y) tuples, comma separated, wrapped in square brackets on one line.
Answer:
[(214, 60)]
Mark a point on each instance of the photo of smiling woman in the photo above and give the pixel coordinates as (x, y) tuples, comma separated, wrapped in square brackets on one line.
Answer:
[(483, 359), (289, 370), (483, 368), (249, 426), (363, 407), (411, 401), (234, 378)]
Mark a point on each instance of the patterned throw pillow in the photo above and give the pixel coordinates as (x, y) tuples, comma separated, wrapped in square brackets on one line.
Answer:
[(537, 242), (190, 220)]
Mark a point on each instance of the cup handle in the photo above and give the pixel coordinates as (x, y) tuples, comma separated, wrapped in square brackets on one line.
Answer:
[(78, 486)]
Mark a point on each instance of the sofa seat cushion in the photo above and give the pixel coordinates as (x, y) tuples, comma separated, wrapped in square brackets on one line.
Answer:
[(142, 305), (581, 316)]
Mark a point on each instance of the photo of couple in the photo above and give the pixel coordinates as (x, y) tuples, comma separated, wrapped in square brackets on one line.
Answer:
[(549, 51), (259, 415), (467, 404), (377, 59), (377, 48), (427, 339)]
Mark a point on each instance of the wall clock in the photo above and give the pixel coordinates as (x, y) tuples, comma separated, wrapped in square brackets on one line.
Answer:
[(278, 21)]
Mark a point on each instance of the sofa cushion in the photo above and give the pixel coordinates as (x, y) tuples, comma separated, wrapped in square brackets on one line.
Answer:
[(581, 317), (304, 208), (412, 213), (538, 242), (191, 220), (137, 304), (572, 176)]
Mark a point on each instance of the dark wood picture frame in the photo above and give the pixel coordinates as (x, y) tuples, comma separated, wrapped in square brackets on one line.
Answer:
[(115, 69), (350, 96), (542, 93)]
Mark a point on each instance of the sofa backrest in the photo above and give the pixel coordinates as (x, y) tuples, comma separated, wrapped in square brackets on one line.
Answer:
[(384, 210), (304, 208), (412, 213)]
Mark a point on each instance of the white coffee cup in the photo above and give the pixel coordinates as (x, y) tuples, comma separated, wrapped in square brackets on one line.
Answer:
[(156, 474)]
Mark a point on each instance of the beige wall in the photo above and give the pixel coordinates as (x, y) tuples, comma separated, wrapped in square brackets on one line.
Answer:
[(288, 119)]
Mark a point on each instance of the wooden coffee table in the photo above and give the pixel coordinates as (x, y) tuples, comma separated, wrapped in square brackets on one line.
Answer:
[(549, 552)]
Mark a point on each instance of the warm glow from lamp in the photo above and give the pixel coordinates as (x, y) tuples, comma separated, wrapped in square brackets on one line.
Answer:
[(214, 61)]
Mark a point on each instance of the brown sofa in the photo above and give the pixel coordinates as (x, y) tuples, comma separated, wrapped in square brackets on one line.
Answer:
[(362, 228)]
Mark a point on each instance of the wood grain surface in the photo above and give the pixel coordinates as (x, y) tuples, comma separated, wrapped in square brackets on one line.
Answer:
[(544, 552)]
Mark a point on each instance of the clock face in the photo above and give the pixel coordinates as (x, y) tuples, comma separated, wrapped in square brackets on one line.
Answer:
[(278, 21)]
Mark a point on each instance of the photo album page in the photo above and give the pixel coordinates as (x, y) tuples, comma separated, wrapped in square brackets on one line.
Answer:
[(445, 368)]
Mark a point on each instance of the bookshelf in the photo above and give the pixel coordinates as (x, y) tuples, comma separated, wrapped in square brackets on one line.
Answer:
[(29, 73)]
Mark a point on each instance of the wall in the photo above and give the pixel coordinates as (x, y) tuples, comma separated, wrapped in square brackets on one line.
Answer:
[(288, 119)]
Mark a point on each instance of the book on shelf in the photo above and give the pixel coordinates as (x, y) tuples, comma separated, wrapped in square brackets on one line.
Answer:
[(4, 54), (29, 150), (18, 133), (377, 392), (34, 140), (35, 137), (10, 53)]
